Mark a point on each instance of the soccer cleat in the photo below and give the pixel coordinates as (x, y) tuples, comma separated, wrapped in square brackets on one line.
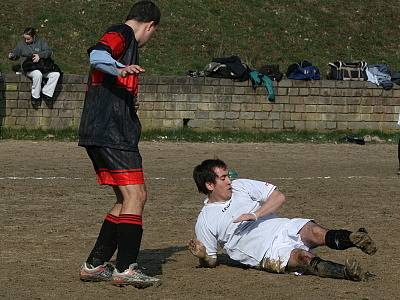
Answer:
[(353, 270), (100, 273), (363, 241), (133, 276)]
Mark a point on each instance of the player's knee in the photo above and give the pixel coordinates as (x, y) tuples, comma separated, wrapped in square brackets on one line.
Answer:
[(300, 258), (142, 196)]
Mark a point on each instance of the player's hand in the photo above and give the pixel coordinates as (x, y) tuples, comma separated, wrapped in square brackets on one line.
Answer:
[(35, 58), (132, 69), (245, 217), (11, 55), (197, 248)]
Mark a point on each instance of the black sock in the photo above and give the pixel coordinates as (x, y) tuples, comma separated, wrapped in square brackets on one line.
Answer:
[(338, 239), (129, 238), (326, 268), (106, 243)]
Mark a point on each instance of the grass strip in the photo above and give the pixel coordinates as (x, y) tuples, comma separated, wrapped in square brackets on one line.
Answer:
[(190, 135)]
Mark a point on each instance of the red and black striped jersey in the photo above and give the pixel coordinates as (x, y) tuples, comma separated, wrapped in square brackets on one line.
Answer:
[(108, 117)]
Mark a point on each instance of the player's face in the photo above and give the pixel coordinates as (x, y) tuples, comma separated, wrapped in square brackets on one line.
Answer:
[(222, 188)]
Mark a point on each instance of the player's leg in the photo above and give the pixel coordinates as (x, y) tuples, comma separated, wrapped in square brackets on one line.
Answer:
[(306, 262), (129, 238), (314, 235), (130, 228), (96, 267), (36, 77), (106, 242)]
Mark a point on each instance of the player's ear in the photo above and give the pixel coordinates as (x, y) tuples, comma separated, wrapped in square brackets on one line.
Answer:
[(210, 186), (150, 25)]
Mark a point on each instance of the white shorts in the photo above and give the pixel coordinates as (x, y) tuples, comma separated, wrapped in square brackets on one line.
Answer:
[(286, 240)]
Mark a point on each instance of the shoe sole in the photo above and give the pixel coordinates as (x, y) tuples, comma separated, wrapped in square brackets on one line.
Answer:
[(364, 242), (92, 279), (136, 284)]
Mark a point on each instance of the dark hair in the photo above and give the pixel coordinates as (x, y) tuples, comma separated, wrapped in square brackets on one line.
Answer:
[(204, 173), (30, 31), (144, 11)]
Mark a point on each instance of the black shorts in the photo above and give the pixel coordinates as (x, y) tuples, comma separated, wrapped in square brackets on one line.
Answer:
[(116, 167)]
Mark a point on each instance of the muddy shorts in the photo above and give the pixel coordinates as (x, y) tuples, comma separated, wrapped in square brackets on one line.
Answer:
[(116, 167), (286, 240)]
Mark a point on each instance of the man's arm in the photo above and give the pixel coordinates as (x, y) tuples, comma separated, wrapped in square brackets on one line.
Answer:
[(103, 61), (197, 249), (268, 206)]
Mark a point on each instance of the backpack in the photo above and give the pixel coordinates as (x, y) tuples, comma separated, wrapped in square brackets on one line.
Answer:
[(303, 70), (227, 67), (340, 70), (44, 65), (272, 71)]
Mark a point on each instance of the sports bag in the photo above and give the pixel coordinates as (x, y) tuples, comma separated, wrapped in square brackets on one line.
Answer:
[(303, 70), (44, 65), (227, 67), (272, 71), (340, 70)]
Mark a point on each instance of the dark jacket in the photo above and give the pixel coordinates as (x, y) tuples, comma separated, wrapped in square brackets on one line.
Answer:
[(39, 46)]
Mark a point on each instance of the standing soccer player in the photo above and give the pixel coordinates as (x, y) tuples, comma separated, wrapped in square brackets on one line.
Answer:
[(110, 131)]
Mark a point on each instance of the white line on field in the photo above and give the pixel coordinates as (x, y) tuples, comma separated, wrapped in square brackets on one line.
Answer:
[(164, 178)]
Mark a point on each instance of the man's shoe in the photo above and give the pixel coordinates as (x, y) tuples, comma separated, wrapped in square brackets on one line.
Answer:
[(36, 102), (48, 100), (355, 272), (100, 273), (363, 241), (133, 276)]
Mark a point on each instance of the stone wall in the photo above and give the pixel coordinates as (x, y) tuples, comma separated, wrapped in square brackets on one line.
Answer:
[(217, 104)]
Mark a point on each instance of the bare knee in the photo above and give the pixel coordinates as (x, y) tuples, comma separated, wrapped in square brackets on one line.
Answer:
[(313, 234), (134, 198), (142, 196), (299, 259)]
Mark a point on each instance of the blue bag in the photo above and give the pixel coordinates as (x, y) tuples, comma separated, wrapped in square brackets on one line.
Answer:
[(303, 70)]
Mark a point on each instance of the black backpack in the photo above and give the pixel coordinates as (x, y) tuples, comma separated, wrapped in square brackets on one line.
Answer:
[(272, 71), (44, 65), (227, 67), (340, 70)]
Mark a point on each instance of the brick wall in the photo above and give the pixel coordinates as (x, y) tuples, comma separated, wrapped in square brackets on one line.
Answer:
[(215, 104)]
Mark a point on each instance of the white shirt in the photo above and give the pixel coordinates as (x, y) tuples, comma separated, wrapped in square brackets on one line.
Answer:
[(246, 242)]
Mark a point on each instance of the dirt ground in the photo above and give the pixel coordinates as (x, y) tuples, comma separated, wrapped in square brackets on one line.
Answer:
[(51, 209)]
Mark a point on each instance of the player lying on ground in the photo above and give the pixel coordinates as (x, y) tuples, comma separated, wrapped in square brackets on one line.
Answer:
[(240, 216)]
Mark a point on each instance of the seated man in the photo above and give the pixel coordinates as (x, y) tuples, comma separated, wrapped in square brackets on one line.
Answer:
[(240, 216)]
